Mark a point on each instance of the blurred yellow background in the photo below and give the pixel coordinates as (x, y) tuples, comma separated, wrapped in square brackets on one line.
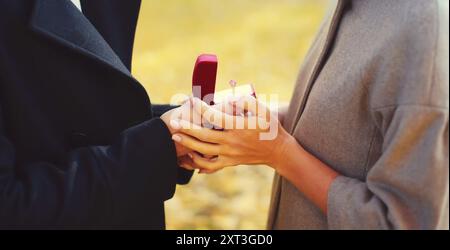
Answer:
[(257, 41)]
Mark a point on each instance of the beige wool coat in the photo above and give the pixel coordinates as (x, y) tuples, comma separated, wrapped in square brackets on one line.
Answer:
[(372, 102)]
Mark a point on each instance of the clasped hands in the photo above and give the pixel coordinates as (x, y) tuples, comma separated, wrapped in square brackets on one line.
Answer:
[(238, 131)]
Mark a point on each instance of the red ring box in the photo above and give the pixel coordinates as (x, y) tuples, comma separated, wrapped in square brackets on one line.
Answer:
[(204, 78)]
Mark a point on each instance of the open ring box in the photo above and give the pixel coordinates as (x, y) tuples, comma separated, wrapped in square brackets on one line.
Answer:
[(204, 82)]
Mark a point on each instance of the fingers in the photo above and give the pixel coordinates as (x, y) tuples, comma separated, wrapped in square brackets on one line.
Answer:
[(213, 116), (221, 116), (251, 105), (210, 165), (247, 103), (196, 145), (203, 134), (255, 108), (205, 171), (226, 107), (219, 119), (187, 113), (187, 163)]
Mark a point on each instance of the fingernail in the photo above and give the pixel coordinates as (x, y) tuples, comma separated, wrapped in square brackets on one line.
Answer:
[(176, 138), (175, 124), (190, 155)]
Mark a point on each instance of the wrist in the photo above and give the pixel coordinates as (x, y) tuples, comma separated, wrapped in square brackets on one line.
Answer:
[(282, 148)]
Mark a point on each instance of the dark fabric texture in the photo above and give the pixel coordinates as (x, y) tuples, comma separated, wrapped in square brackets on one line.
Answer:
[(79, 145), (183, 175)]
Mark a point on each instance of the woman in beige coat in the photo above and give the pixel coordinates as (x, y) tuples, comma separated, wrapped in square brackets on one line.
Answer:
[(364, 143)]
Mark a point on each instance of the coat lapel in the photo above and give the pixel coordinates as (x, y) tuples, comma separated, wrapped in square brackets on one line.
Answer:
[(116, 21), (62, 22), (309, 72)]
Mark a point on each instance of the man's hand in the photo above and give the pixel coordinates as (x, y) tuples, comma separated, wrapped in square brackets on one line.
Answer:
[(186, 112), (170, 117)]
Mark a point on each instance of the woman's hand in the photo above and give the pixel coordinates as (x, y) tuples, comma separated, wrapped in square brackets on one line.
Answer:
[(255, 138), (186, 112)]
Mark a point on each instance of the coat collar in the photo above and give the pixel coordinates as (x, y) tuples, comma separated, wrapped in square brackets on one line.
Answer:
[(63, 23), (319, 53), (313, 65)]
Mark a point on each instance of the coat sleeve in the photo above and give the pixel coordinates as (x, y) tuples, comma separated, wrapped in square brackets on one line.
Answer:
[(159, 109), (96, 185), (408, 186), (183, 175)]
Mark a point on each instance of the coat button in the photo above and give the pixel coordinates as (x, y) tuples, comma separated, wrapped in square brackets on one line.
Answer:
[(78, 139)]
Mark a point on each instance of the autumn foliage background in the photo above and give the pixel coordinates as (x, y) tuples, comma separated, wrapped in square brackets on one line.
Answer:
[(257, 41)]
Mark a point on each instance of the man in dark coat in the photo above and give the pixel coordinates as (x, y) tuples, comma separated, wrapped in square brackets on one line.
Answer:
[(80, 143)]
